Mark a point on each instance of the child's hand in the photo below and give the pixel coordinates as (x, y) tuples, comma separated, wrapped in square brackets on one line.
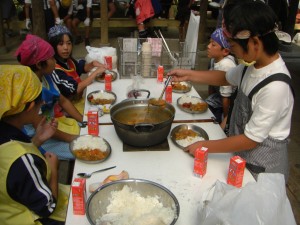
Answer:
[(98, 70), (44, 131), (178, 75), (192, 148)]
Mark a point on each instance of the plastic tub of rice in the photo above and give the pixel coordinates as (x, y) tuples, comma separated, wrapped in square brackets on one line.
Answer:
[(132, 202)]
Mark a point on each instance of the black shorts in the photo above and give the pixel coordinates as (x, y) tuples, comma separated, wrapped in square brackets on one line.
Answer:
[(81, 14)]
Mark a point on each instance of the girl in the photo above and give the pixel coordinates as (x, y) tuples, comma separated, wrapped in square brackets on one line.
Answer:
[(38, 55), (67, 72), (261, 118)]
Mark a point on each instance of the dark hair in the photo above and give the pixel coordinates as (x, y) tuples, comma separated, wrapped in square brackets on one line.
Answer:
[(37, 100), (33, 67), (54, 41), (256, 17)]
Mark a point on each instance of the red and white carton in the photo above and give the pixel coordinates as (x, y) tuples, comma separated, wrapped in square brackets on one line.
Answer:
[(160, 74), (236, 171), (168, 93), (107, 81), (93, 121), (108, 61), (200, 161), (79, 196)]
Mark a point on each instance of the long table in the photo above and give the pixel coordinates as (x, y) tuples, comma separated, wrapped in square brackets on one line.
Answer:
[(172, 169), (121, 86)]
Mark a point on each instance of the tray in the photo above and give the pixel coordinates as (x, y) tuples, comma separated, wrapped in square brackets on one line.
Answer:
[(91, 160), (89, 96), (201, 133), (191, 99), (100, 77), (185, 90)]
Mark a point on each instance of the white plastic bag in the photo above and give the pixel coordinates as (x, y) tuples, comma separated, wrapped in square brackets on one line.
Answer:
[(99, 54), (191, 40), (258, 203)]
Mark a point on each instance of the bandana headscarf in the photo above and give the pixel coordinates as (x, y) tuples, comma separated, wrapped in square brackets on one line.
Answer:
[(57, 30), (218, 37), (18, 86), (33, 50)]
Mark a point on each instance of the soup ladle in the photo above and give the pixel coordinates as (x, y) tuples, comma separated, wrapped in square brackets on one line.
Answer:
[(159, 101)]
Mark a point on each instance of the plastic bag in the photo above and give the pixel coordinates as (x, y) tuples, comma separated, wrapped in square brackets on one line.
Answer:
[(258, 203), (99, 54), (191, 40)]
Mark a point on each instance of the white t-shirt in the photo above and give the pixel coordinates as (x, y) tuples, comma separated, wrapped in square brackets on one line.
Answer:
[(272, 105), (224, 65)]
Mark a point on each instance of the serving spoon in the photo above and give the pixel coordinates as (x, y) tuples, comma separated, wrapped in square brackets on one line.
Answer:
[(88, 175), (159, 101)]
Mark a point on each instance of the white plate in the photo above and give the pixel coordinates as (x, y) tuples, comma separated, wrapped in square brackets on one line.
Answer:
[(187, 99), (201, 133), (89, 96)]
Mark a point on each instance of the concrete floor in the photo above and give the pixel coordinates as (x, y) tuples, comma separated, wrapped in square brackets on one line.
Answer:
[(293, 187)]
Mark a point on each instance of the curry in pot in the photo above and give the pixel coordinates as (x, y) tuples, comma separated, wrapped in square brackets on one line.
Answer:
[(145, 114)]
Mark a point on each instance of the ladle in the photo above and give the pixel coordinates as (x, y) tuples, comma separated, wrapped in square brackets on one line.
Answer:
[(159, 101)]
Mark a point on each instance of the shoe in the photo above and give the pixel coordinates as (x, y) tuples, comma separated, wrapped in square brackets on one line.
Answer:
[(78, 40), (87, 42)]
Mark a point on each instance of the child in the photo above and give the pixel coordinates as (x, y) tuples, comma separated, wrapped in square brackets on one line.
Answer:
[(261, 118), (67, 71), (50, 12), (82, 12), (183, 15), (29, 192), (143, 13), (38, 55), (219, 53)]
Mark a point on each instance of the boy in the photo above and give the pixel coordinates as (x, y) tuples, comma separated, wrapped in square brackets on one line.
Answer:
[(261, 117), (219, 53)]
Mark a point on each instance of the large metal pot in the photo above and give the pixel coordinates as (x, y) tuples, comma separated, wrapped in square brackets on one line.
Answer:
[(141, 125)]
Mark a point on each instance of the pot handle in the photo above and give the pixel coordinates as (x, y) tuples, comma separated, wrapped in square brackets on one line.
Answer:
[(136, 92), (143, 127)]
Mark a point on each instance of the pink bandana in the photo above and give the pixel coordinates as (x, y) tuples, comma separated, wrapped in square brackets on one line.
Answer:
[(33, 50)]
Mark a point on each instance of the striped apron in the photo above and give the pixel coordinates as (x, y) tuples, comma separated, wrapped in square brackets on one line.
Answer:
[(270, 156)]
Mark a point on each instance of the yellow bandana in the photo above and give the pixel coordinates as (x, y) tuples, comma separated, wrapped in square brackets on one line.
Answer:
[(18, 86)]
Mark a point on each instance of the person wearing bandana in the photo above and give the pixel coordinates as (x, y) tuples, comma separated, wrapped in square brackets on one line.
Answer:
[(38, 54), (29, 190)]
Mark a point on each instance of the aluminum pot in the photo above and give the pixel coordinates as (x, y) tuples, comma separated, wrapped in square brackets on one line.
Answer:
[(142, 125)]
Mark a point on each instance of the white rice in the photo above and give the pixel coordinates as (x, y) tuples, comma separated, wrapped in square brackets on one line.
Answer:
[(189, 99), (189, 140), (103, 95), (128, 207), (89, 143)]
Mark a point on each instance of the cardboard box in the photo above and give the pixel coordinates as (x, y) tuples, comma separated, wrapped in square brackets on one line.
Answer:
[(200, 162), (79, 196), (236, 171)]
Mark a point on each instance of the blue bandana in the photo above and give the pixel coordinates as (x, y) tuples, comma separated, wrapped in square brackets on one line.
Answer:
[(218, 37), (57, 30)]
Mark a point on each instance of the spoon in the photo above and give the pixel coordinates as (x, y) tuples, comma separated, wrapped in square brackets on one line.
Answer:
[(159, 101), (88, 175)]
